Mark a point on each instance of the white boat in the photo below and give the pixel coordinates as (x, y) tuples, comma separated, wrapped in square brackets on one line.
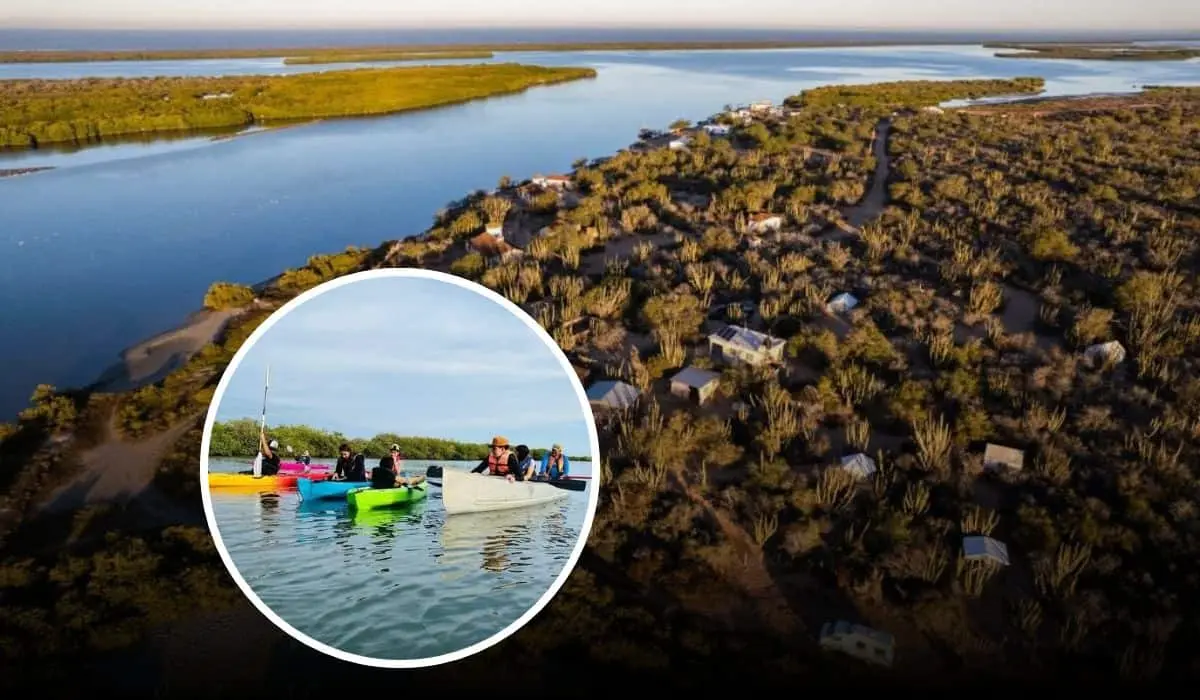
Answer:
[(464, 492)]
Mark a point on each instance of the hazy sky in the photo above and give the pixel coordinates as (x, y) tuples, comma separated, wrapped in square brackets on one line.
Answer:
[(1176, 15), (416, 357)]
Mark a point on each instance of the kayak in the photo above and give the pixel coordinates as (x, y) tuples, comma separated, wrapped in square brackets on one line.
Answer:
[(366, 498), (311, 490), (301, 468), (464, 492), (225, 480)]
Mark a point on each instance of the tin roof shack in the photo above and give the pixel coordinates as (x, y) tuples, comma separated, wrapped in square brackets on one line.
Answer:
[(734, 345), (860, 465), (863, 643), (980, 548), (998, 458), (612, 395), (695, 384), (842, 303)]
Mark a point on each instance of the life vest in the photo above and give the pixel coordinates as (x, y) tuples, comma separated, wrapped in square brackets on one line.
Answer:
[(498, 464)]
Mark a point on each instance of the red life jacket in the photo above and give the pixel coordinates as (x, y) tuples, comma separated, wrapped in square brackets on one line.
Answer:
[(498, 465)]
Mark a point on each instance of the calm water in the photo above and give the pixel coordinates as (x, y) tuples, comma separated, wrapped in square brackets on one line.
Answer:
[(120, 243), (402, 584)]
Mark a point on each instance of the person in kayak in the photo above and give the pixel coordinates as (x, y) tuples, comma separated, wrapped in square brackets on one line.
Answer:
[(500, 461), (555, 465), (350, 466), (270, 457), (525, 463), (388, 475), (306, 458), (397, 460)]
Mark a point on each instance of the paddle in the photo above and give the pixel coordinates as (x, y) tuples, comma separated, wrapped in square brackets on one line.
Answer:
[(262, 428)]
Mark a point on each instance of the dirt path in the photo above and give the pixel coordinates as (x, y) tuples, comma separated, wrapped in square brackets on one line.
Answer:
[(119, 472), (871, 206), (755, 580)]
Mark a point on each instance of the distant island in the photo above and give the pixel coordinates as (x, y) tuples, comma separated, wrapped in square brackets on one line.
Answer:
[(239, 438), (37, 112), (383, 56), (1095, 52)]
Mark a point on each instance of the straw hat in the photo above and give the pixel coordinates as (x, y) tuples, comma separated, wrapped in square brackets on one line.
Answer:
[(556, 447), (499, 441)]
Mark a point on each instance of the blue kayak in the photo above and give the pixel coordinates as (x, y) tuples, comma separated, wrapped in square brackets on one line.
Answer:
[(320, 490)]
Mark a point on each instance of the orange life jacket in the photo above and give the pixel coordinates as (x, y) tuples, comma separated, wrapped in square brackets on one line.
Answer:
[(498, 464)]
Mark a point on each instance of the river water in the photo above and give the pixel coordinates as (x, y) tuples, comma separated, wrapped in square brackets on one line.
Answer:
[(395, 584), (121, 241)]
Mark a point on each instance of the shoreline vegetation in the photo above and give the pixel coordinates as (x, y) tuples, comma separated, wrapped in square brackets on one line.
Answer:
[(1094, 52), (382, 56), (990, 457), (75, 56), (239, 438), (35, 112)]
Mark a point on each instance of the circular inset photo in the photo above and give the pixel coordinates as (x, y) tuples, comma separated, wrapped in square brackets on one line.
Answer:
[(400, 468)]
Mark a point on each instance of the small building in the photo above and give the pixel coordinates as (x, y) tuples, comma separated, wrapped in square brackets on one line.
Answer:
[(738, 345), (495, 230), (863, 643), (716, 129), (695, 384), (842, 303), (931, 109), (493, 249), (761, 106), (999, 458), (763, 222), (217, 96), (613, 395), (1105, 353), (980, 548), (552, 182), (860, 465), (679, 144)]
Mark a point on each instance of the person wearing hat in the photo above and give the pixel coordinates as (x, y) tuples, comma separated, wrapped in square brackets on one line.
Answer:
[(305, 458), (500, 461), (555, 464), (397, 466), (350, 466), (270, 458)]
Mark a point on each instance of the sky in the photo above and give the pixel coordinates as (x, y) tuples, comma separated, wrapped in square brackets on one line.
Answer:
[(415, 357), (990, 15)]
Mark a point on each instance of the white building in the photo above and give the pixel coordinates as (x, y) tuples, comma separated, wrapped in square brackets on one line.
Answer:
[(980, 548), (863, 643), (737, 345), (554, 182), (763, 222), (717, 129), (841, 303), (860, 465), (1103, 353), (679, 144), (613, 395), (695, 384), (999, 458)]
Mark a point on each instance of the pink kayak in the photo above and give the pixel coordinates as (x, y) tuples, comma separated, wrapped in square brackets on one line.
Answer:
[(301, 468)]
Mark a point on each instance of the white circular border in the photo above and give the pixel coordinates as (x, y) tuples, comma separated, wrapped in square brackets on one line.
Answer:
[(584, 404)]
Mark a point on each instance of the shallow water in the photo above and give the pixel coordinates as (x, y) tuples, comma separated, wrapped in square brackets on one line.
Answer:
[(397, 584), (120, 243)]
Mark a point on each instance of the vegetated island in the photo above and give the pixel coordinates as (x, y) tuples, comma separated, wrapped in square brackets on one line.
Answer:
[(382, 56), (75, 56), (239, 438), (35, 112), (966, 417), (1096, 52)]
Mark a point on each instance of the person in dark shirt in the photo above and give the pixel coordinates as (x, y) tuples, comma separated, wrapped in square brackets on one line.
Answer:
[(525, 463), (501, 461), (388, 474), (350, 466), (270, 456)]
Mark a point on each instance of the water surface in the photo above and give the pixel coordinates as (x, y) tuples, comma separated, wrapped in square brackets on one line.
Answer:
[(120, 243), (409, 583)]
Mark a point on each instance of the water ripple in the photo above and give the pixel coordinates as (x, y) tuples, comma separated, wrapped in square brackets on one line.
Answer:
[(400, 584)]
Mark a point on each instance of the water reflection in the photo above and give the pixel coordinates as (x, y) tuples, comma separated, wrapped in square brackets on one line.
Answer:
[(499, 542)]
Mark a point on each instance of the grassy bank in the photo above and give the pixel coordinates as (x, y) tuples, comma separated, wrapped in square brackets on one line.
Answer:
[(239, 438), (915, 93), (382, 56), (1094, 52), (35, 112)]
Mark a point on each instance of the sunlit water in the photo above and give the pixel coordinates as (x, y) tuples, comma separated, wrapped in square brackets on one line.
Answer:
[(120, 243), (409, 583)]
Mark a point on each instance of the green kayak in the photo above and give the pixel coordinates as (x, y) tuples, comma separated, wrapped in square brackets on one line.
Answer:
[(368, 498)]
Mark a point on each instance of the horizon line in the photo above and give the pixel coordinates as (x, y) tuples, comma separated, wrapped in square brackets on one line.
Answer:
[(1174, 33)]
